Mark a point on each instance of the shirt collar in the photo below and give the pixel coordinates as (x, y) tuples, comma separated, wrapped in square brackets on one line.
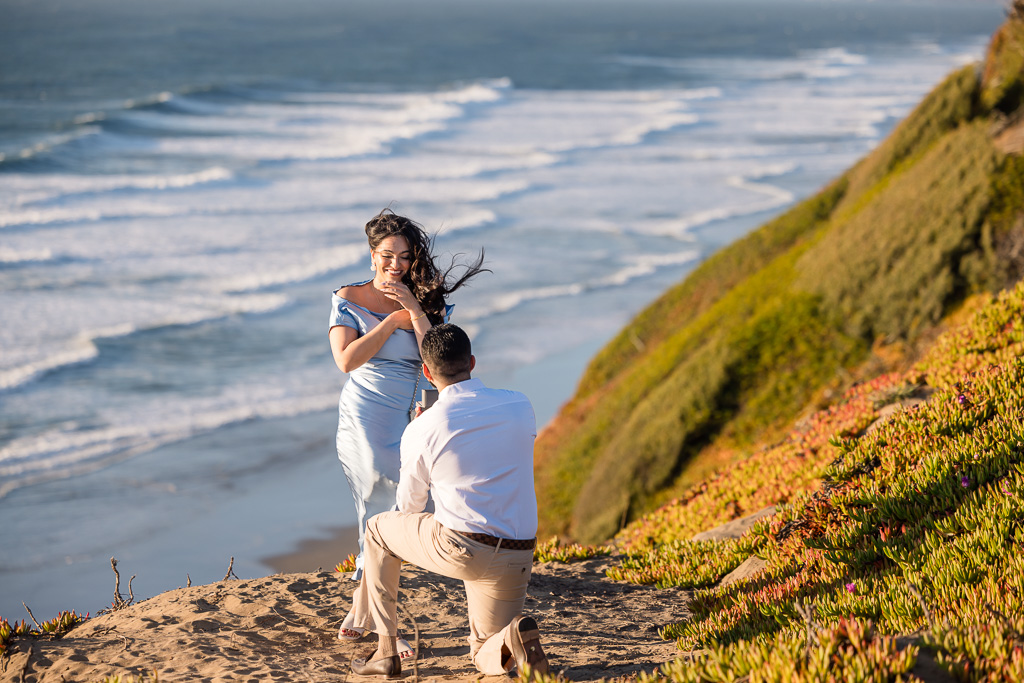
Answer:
[(463, 387)]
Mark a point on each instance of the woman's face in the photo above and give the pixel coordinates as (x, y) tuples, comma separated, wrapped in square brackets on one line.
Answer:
[(392, 257)]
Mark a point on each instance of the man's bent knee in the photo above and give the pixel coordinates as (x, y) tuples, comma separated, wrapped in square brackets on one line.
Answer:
[(379, 526)]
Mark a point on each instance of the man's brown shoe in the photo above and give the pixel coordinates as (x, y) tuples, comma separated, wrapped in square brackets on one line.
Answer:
[(524, 637), (388, 667)]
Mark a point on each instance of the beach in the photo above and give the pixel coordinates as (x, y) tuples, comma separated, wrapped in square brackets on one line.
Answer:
[(284, 627)]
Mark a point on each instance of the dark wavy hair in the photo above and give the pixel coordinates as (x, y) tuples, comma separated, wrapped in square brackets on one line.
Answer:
[(446, 349), (428, 283)]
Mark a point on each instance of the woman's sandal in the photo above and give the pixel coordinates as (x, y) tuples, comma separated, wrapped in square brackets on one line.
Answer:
[(405, 650), (350, 635)]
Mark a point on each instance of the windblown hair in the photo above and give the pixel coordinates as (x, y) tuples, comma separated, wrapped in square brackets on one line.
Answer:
[(447, 352), (425, 280)]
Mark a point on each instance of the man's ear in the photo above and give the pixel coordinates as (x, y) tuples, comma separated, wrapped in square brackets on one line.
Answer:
[(472, 362), (426, 373)]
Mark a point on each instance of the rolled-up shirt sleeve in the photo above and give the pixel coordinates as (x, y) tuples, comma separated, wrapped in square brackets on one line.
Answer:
[(414, 478)]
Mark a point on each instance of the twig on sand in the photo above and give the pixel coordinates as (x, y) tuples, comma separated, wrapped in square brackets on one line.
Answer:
[(231, 572), (119, 601), (188, 580), (24, 667), (289, 621), (117, 580), (31, 616)]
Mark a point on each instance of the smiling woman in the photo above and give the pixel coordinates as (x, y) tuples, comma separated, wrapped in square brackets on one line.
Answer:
[(375, 330)]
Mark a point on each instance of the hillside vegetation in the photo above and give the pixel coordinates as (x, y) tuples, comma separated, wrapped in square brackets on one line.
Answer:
[(899, 554), (854, 280)]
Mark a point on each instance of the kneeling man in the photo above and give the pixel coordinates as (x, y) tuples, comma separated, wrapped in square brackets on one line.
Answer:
[(473, 453)]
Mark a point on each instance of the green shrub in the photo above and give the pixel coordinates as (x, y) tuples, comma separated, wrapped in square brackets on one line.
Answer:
[(760, 368), (1001, 263), (951, 104), (1002, 82), (892, 269), (709, 282), (553, 550)]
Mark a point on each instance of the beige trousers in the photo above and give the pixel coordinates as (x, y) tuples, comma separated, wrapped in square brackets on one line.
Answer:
[(495, 580)]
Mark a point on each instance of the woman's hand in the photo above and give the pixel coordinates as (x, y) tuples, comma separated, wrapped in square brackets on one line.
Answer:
[(413, 317), (402, 319), (398, 291)]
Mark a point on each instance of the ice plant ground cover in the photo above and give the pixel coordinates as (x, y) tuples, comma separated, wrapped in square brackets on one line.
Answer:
[(54, 628), (890, 544)]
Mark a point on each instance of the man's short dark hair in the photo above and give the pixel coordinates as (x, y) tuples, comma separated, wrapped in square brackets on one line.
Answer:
[(446, 351)]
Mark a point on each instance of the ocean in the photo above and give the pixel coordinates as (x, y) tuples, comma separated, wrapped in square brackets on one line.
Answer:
[(182, 186)]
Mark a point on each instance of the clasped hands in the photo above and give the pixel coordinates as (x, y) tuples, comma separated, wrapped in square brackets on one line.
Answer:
[(399, 292)]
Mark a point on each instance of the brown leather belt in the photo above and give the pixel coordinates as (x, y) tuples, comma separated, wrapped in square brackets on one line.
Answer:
[(506, 543)]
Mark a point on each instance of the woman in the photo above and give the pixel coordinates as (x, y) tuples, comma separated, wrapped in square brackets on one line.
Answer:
[(375, 330)]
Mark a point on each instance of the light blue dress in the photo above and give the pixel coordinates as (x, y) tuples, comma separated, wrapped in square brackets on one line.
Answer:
[(373, 411)]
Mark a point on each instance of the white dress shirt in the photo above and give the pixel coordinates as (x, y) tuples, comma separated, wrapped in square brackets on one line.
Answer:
[(473, 451)]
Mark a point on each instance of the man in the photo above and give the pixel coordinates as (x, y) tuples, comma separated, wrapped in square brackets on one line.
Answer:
[(472, 451)]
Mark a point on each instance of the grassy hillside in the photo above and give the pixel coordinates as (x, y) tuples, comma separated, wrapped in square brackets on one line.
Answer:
[(895, 552), (912, 528), (772, 324)]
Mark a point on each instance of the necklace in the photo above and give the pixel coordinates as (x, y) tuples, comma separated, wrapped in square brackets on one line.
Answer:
[(380, 301)]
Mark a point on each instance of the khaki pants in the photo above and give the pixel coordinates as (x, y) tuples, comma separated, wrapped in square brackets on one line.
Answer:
[(495, 580)]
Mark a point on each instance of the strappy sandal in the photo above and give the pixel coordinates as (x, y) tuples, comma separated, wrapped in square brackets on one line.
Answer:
[(350, 635)]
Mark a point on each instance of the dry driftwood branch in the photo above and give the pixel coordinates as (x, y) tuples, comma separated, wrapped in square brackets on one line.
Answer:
[(188, 580), (119, 601), (31, 616), (289, 621), (117, 581), (231, 572)]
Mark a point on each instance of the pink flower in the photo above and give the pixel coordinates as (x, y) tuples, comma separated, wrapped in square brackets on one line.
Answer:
[(965, 481), (851, 587)]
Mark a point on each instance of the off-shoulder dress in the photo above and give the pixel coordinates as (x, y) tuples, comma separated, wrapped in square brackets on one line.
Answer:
[(375, 407)]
